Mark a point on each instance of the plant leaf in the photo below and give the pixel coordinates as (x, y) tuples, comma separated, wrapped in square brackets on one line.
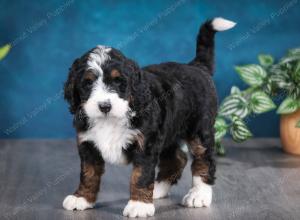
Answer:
[(235, 90), (252, 74), (4, 51), (269, 87), (289, 105), (220, 128), (281, 79), (260, 102), (265, 60), (294, 92), (294, 51), (239, 130), (296, 72), (220, 149), (292, 55), (234, 105), (298, 124), (277, 75)]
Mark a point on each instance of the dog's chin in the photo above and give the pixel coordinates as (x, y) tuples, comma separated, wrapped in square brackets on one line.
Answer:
[(108, 116)]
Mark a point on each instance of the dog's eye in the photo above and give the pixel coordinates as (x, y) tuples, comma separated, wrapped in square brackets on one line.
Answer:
[(117, 80), (88, 79), (88, 82)]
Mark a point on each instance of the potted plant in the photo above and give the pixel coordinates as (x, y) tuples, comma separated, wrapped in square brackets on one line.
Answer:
[(266, 80), (287, 76)]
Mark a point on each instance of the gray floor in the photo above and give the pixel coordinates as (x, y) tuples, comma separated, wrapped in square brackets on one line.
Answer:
[(254, 181)]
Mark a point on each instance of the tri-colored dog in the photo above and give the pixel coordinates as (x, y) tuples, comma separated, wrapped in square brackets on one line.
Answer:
[(127, 114)]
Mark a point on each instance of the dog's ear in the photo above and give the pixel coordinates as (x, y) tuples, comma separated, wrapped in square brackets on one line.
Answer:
[(133, 72), (131, 67), (139, 88), (70, 91)]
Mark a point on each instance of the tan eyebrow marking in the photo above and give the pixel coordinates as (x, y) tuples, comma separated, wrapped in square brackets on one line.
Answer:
[(90, 76), (115, 73)]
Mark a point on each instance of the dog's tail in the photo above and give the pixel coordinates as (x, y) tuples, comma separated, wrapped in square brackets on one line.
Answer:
[(205, 41)]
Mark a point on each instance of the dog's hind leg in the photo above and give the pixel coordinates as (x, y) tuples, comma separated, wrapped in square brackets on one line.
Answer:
[(142, 184), (203, 170), (171, 164)]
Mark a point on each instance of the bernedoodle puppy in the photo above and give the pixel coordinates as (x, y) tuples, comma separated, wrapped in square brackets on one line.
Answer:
[(127, 114)]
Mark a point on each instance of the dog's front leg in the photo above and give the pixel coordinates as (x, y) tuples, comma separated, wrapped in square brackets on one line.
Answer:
[(141, 187), (92, 168)]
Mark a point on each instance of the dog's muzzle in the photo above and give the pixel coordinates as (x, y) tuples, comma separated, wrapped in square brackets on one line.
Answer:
[(104, 107)]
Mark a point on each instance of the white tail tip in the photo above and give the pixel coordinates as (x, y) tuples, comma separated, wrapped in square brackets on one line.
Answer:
[(221, 24)]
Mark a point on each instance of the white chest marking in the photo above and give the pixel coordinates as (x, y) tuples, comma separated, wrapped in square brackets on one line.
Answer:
[(110, 136)]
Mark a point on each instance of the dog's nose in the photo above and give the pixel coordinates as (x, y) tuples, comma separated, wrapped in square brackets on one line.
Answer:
[(104, 107)]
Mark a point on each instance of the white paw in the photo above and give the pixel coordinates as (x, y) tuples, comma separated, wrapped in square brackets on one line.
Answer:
[(135, 209), (161, 189), (198, 196), (72, 202)]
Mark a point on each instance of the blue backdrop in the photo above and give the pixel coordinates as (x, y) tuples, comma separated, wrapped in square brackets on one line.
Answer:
[(48, 35)]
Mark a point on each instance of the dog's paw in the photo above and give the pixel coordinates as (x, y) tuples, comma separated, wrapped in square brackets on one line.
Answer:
[(72, 202), (161, 189), (198, 196), (135, 209)]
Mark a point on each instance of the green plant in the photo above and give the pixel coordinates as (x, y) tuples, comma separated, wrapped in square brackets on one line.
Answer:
[(4, 50), (266, 80)]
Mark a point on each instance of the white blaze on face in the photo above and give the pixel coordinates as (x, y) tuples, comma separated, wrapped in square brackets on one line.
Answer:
[(100, 92), (111, 133)]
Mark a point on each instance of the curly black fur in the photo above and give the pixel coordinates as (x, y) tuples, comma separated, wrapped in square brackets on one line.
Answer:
[(171, 101)]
